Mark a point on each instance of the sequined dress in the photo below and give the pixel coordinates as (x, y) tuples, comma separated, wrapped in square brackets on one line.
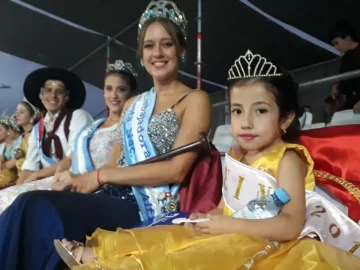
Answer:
[(163, 129), (58, 215)]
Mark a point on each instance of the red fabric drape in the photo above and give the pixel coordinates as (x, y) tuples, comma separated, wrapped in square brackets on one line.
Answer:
[(202, 191), (336, 150)]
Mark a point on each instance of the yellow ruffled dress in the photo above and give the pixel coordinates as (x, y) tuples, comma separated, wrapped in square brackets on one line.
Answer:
[(179, 248)]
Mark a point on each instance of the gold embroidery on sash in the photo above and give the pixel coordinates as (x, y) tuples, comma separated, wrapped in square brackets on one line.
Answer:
[(264, 169), (238, 188), (355, 247), (262, 191), (350, 187)]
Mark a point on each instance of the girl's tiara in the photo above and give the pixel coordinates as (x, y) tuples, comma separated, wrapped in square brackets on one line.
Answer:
[(252, 66)]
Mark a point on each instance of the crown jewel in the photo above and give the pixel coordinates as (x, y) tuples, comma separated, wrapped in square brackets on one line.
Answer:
[(164, 9), (120, 65), (251, 66), (10, 121), (37, 112), (4, 118)]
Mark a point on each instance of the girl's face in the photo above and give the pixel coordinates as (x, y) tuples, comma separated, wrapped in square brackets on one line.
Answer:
[(22, 114), (255, 117), (116, 93), (159, 53)]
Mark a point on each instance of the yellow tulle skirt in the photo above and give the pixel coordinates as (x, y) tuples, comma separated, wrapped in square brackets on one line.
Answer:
[(179, 248), (7, 178)]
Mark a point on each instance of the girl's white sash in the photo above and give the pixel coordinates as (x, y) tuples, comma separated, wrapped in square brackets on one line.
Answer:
[(324, 220)]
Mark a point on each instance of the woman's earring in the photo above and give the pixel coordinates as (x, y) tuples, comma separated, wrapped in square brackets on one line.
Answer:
[(283, 131), (183, 58), (141, 62)]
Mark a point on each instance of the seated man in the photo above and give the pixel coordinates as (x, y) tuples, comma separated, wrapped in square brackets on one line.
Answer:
[(61, 93)]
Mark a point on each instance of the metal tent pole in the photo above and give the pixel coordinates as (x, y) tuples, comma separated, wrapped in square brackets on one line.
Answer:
[(108, 51), (123, 31), (199, 40), (332, 79)]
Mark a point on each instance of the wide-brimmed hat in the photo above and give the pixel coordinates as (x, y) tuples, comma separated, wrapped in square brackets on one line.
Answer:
[(36, 80)]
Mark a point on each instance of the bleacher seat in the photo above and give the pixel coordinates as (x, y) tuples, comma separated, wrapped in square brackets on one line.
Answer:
[(306, 120), (223, 138), (347, 117)]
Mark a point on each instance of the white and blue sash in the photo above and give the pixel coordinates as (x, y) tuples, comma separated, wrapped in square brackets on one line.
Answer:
[(81, 162), (152, 201), (45, 160)]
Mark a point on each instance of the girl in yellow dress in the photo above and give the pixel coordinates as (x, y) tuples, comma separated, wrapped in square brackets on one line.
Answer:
[(264, 109), (263, 114)]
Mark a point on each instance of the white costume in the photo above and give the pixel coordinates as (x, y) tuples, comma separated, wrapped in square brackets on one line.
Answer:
[(35, 157)]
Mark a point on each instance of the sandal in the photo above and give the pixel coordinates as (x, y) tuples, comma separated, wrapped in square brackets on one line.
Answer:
[(67, 255)]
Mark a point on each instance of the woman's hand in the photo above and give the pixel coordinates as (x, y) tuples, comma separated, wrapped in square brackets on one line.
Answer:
[(86, 183), (63, 181), (33, 177)]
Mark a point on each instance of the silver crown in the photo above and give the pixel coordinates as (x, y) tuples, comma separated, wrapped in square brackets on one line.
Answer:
[(4, 118), (251, 66), (120, 65), (167, 10), (37, 113)]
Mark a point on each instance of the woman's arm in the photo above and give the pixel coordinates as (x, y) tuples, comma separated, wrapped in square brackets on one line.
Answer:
[(284, 227), (196, 119)]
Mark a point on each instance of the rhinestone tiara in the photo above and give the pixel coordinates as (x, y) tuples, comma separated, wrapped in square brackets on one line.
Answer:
[(120, 65), (37, 112), (167, 10), (4, 118), (251, 66)]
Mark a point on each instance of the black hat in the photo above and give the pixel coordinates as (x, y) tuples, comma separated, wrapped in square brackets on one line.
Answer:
[(36, 80)]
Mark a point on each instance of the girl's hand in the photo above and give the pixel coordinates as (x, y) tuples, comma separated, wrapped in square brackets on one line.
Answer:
[(192, 217), (217, 225)]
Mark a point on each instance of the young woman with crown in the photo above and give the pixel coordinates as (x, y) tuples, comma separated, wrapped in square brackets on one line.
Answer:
[(93, 145), (167, 116), (264, 108), (10, 133), (25, 117)]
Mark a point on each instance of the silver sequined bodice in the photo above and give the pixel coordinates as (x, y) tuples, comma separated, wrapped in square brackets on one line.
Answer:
[(163, 129)]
